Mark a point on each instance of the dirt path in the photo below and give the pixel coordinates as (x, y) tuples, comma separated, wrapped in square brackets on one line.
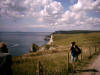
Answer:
[(92, 69)]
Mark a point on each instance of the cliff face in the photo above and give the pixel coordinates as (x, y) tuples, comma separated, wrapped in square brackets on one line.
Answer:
[(51, 40), (5, 64)]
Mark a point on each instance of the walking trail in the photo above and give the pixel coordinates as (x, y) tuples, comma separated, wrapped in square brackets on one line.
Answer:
[(92, 69)]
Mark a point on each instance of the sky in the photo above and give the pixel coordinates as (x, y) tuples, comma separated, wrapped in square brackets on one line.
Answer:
[(49, 15)]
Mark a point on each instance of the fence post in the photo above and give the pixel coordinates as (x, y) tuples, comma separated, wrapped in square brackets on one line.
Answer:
[(37, 71), (68, 61), (81, 54), (40, 68), (95, 49), (90, 51)]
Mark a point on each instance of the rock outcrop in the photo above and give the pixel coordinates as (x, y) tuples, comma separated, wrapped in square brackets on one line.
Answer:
[(3, 47), (34, 48)]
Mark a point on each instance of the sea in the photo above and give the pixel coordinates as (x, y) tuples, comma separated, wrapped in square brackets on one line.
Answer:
[(19, 43)]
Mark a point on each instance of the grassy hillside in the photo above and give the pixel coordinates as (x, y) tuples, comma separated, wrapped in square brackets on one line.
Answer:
[(55, 60), (82, 39)]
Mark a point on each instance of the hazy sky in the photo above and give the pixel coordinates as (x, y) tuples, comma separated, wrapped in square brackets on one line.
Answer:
[(49, 15)]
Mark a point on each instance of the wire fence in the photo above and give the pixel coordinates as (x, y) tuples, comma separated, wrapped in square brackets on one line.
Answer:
[(86, 54)]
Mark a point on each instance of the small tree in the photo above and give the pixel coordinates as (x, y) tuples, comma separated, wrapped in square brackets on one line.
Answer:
[(34, 48), (3, 47)]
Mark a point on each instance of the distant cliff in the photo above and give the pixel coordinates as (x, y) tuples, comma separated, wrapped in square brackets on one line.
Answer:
[(74, 32)]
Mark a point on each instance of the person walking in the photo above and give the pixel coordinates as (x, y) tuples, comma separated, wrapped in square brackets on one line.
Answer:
[(75, 51)]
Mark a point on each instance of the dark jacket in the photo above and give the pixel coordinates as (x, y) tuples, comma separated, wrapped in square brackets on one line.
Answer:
[(74, 51)]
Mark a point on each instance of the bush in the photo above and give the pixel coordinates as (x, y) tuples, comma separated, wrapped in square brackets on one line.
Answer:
[(47, 46), (34, 48), (3, 47)]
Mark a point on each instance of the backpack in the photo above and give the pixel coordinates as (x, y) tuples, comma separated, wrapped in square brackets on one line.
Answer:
[(79, 50)]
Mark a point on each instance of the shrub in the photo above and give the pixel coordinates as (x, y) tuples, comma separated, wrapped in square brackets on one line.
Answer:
[(47, 46), (3, 47)]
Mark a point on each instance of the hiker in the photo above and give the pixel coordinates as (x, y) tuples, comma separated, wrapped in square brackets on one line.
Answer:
[(75, 51)]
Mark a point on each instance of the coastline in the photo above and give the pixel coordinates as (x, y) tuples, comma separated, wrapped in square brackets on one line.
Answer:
[(56, 59), (20, 43)]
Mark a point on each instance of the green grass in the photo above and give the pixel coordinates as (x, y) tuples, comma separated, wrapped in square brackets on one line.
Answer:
[(53, 60), (89, 39), (22, 65)]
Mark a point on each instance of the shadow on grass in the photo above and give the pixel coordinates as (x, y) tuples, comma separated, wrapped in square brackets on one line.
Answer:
[(88, 70)]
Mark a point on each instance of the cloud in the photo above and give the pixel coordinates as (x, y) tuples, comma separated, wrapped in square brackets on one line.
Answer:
[(84, 5), (22, 8), (51, 13), (37, 26), (47, 11), (77, 17)]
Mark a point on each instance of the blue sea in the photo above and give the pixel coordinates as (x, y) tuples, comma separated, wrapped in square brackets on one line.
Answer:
[(20, 43)]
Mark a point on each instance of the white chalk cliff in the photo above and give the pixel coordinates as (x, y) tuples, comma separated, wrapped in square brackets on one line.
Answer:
[(51, 40)]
